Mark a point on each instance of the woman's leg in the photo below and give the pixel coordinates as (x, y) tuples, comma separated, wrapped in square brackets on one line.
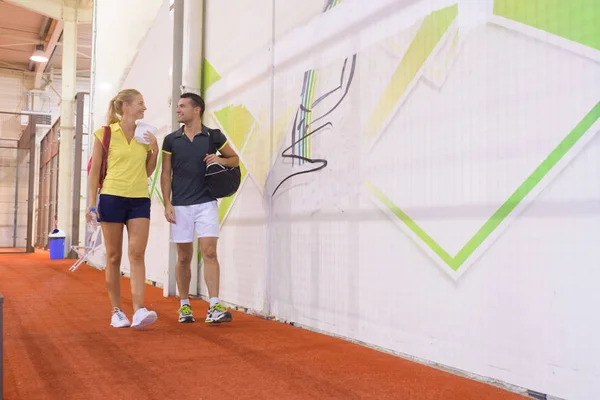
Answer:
[(113, 240), (137, 231)]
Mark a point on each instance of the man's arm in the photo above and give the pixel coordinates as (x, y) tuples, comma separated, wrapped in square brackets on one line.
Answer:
[(166, 178), (230, 159)]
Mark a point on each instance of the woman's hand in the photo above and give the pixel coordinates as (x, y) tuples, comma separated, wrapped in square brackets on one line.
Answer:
[(91, 211), (151, 139)]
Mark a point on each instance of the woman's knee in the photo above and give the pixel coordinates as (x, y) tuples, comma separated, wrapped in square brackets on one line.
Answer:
[(136, 255), (114, 259), (137, 250)]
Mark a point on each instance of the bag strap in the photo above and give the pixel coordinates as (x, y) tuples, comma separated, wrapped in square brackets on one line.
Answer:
[(106, 139), (212, 145)]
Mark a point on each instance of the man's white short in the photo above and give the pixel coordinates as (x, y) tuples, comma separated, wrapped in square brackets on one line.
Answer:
[(203, 219)]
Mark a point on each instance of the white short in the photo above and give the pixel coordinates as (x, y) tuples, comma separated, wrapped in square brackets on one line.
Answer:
[(201, 218)]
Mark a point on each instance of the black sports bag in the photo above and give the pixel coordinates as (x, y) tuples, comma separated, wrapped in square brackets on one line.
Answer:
[(221, 181)]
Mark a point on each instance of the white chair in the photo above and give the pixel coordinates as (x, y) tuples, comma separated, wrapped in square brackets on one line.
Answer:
[(85, 252)]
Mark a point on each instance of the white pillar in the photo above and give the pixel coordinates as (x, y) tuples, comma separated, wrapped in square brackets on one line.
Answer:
[(193, 52), (67, 124), (170, 285), (191, 68)]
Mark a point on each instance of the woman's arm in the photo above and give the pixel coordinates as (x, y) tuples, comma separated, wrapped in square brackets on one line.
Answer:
[(94, 177), (152, 156), (151, 161)]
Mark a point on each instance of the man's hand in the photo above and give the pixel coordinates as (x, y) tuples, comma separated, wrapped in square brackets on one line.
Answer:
[(170, 213), (215, 159)]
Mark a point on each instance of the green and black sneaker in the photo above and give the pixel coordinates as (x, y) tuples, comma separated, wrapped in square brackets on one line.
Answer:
[(185, 314), (217, 314)]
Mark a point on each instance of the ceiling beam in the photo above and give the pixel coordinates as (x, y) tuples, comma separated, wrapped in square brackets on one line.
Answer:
[(44, 7), (54, 33), (54, 10)]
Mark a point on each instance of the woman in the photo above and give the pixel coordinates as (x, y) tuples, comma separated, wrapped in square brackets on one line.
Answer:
[(124, 200)]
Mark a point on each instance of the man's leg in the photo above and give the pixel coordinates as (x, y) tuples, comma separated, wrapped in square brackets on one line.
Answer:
[(207, 229), (183, 274), (182, 233), (208, 247)]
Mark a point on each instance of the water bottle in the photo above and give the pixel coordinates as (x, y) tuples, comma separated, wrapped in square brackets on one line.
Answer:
[(93, 224)]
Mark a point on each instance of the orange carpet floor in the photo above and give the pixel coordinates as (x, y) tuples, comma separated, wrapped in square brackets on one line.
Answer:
[(58, 345)]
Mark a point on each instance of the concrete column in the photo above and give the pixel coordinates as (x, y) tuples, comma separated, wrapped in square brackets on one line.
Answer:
[(67, 124)]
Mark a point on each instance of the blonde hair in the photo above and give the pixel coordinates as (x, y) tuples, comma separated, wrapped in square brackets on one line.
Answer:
[(115, 107)]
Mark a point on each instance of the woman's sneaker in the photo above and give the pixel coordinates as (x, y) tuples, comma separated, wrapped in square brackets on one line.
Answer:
[(217, 314), (143, 317), (119, 319), (185, 314)]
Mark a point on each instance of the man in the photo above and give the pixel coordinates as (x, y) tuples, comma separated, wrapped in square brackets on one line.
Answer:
[(191, 208)]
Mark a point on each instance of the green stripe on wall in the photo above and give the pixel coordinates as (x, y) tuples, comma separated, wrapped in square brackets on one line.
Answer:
[(226, 203), (209, 76), (236, 122), (505, 209), (576, 20), (428, 36)]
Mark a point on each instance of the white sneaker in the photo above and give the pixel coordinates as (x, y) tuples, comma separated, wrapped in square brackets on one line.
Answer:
[(119, 319), (143, 317)]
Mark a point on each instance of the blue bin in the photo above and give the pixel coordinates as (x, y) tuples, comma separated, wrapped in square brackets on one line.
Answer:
[(56, 243)]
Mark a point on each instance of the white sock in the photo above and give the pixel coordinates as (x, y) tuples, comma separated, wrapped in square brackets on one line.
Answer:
[(184, 301), (213, 301)]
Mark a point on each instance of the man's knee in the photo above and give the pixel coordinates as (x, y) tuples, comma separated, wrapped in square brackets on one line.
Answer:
[(184, 259), (209, 252), (184, 255)]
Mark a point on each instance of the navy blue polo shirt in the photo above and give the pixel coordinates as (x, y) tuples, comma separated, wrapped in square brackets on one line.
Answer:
[(187, 162)]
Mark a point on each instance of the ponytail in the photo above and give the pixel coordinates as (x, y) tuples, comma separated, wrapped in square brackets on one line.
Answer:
[(115, 106)]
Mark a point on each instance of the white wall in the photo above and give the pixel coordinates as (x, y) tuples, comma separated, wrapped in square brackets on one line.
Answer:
[(457, 217), (117, 42), (13, 171), (143, 62), (421, 157), (149, 74), (14, 178)]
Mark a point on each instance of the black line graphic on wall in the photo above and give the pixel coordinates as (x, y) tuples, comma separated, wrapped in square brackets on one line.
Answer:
[(303, 129)]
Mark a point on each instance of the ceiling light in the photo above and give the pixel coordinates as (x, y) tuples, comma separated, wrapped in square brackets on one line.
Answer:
[(39, 55)]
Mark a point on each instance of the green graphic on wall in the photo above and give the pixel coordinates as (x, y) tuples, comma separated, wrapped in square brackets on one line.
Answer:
[(432, 29), (576, 20), (570, 20), (503, 212), (209, 76)]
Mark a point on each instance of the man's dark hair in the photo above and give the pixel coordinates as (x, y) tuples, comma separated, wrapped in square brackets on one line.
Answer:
[(197, 101)]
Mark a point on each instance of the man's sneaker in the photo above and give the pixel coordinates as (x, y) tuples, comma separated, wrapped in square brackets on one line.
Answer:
[(185, 314), (143, 317), (217, 314), (119, 319)]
